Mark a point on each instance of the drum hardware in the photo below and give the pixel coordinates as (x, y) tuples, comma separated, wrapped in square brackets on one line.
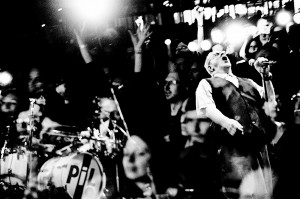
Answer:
[(62, 134), (17, 163), (5, 143)]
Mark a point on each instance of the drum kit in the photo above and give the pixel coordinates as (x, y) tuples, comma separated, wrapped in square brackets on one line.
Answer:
[(69, 161)]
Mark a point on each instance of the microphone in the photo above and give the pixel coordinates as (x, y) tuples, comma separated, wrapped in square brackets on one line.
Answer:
[(270, 62), (263, 62)]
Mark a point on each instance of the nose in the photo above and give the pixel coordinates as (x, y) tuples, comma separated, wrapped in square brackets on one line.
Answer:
[(167, 86), (131, 158)]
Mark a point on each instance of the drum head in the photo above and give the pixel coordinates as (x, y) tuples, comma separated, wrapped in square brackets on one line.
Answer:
[(14, 169), (80, 174)]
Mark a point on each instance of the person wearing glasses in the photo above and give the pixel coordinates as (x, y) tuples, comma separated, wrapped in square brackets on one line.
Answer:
[(241, 127), (176, 96)]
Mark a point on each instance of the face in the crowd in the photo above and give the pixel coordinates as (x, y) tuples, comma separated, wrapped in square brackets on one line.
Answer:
[(136, 158), (180, 63), (172, 86), (35, 83), (194, 125), (253, 47), (220, 62), (297, 111), (194, 74), (264, 38), (9, 104)]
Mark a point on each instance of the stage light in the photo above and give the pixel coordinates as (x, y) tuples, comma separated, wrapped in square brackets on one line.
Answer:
[(193, 46), (166, 3), (283, 17), (217, 47), (93, 11), (168, 42), (206, 45), (235, 34), (5, 78), (251, 30), (296, 18), (217, 35)]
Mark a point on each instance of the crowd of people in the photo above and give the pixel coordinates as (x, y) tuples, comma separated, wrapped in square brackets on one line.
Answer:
[(211, 125)]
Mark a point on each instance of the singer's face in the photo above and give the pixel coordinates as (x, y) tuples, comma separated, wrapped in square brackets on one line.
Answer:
[(136, 158), (220, 62)]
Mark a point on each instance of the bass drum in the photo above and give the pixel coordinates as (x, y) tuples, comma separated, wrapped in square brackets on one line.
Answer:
[(14, 167), (81, 175)]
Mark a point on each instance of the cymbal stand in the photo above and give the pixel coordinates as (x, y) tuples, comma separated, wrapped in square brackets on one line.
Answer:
[(5, 143), (126, 133), (31, 123), (29, 140), (120, 112)]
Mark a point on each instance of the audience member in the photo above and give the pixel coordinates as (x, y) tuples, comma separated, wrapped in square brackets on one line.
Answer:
[(143, 169), (197, 162), (287, 150)]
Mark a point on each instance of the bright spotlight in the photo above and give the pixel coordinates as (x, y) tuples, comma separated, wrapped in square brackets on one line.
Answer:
[(235, 34), (217, 35), (168, 42), (5, 78), (206, 45), (93, 10), (251, 30), (297, 18), (193, 46), (283, 18)]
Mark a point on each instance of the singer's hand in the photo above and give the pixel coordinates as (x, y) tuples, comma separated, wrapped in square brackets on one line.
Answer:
[(232, 126), (262, 65)]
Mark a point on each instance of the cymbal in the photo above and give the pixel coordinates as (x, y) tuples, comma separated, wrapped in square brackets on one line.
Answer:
[(63, 134), (66, 128)]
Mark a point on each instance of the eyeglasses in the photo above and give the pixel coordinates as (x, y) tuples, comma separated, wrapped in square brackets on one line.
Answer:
[(8, 103), (172, 82)]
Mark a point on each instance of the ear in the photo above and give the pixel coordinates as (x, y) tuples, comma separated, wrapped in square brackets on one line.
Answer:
[(210, 69)]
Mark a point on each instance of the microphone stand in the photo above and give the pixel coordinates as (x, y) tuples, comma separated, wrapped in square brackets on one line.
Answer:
[(266, 92)]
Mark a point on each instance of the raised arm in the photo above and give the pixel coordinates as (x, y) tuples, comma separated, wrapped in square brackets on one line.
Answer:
[(262, 65), (138, 40)]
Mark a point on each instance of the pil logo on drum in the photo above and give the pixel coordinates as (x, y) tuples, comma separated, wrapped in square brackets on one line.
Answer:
[(80, 174)]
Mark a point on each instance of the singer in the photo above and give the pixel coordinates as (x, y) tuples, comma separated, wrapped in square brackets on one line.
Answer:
[(242, 130)]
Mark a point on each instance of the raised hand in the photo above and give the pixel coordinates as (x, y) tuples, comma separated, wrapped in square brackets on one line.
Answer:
[(140, 37)]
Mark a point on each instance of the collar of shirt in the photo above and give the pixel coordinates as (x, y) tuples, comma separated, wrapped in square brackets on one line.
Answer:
[(229, 77)]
